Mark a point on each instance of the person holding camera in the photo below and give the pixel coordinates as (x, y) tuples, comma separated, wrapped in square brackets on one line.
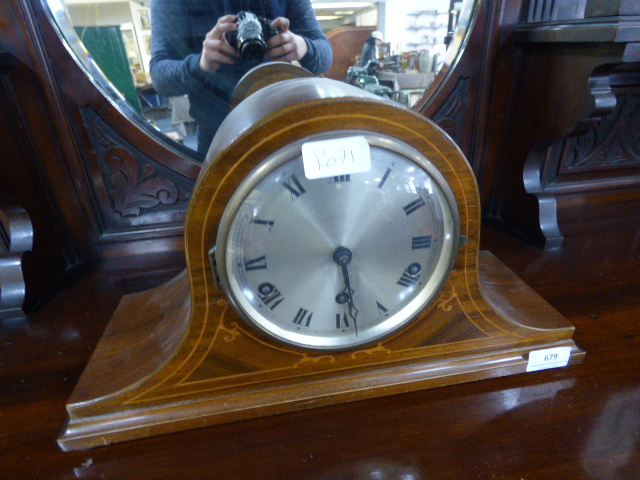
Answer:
[(199, 49)]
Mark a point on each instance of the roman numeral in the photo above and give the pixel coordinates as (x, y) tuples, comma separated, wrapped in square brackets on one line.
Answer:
[(303, 316), (413, 206), (407, 280), (381, 308), (265, 223), (341, 320), (270, 295), (384, 178), (294, 186), (410, 276), (342, 178), (421, 242), (259, 263)]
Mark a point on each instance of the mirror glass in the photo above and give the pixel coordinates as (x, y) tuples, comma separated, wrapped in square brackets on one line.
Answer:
[(408, 41)]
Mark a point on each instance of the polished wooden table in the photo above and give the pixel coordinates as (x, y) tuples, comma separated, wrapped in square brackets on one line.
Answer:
[(579, 422)]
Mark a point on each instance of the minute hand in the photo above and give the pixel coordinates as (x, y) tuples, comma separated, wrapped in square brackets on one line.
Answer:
[(342, 256)]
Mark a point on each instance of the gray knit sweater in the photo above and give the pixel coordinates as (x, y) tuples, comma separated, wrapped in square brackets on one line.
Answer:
[(178, 30)]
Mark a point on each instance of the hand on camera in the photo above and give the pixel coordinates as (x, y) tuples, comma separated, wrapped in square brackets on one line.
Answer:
[(286, 46), (215, 48)]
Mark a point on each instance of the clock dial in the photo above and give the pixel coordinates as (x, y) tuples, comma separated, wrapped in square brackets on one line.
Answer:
[(338, 261)]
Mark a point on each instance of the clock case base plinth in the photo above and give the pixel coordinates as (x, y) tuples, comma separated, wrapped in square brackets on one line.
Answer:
[(180, 357), (119, 421)]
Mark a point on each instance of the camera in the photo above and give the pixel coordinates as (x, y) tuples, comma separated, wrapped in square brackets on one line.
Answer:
[(251, 37)]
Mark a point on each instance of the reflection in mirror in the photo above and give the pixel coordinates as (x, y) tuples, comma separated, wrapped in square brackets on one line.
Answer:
[(113, 41)]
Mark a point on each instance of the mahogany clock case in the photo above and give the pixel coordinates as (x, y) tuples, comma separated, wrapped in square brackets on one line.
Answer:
[(186, 359)]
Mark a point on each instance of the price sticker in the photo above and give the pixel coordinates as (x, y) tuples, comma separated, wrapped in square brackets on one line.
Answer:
[(336, 157), (548, 358)]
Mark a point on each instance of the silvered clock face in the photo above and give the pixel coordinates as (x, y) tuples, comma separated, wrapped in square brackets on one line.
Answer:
[(343, 260)]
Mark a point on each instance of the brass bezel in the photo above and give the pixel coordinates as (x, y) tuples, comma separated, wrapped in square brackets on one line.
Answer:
[(427, 293)]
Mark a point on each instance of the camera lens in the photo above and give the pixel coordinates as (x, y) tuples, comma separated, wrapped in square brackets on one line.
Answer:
[(253, 50), (252, 36)]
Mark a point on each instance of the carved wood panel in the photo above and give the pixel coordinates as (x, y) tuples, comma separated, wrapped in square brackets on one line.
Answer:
[(451, 117), (571, 128), (613, 143), (133, 192), (605, 158)]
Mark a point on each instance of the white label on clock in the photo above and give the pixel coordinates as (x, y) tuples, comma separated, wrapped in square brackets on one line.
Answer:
[(336, 157), (548, 358)]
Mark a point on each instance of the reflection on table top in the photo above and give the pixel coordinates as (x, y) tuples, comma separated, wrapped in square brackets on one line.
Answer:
[(405, 80)]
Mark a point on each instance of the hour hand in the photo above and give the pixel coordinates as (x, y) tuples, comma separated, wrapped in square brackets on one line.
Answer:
[(342, 256)]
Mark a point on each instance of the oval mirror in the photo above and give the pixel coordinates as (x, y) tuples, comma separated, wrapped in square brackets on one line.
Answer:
[(417, 42)]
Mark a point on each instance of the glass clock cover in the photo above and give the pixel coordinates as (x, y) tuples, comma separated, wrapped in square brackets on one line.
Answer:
[(337, 241)]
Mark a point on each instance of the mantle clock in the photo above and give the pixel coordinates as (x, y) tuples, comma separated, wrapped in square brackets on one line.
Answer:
[(332, 247)]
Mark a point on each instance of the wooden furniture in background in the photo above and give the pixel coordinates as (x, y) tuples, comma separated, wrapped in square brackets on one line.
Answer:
[(347, 42), (572, 132), (16, 238)]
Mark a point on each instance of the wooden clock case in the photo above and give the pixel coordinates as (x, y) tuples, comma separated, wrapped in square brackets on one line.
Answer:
[(179, 357)]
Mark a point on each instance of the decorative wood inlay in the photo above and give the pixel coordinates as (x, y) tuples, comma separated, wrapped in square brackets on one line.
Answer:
[(447, 296), (306, 359), (230, 333), (371, 351)]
